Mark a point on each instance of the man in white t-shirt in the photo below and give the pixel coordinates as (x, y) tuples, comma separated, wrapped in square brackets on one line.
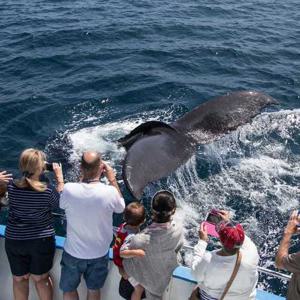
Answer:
[(89, 206)]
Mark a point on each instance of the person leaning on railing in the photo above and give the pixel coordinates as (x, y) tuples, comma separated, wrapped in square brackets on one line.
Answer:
[(230, 271), (290, 262), (29, 234)]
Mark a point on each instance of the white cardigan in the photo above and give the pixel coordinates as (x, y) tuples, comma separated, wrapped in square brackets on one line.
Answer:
[(213, 271)]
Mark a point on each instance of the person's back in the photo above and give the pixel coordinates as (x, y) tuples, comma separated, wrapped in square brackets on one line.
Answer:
[(89, 206), (89, 210), (29, 234), (30, 213), (134, 217), (161, 245), (217, 269), (161, 242), (213, 270)]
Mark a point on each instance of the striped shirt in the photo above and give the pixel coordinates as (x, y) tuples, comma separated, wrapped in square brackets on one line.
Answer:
[(30, 214), (205, 296)]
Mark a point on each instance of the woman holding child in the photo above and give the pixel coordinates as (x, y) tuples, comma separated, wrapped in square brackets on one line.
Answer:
[(29, 235), (161, 242)]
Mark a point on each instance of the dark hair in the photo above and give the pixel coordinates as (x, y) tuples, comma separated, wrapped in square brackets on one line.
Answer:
[(134, 214), (90, 169), (163, 206)]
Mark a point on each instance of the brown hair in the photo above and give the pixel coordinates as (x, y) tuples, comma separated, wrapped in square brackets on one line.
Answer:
[(134, 214), (31, 161), (90, 169)]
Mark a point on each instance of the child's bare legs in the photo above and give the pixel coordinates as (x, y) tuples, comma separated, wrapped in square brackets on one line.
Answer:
[(137, 293), (123, 273)]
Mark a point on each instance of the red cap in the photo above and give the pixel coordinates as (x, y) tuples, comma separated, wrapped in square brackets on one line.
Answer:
[(231, 236)]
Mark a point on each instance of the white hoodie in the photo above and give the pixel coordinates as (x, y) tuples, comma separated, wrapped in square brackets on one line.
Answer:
[(213, 272)]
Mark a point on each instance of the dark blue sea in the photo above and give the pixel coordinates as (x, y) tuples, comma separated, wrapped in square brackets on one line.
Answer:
[(81, 74)]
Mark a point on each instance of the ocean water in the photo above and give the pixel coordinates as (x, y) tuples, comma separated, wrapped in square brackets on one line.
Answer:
[(80, 74)]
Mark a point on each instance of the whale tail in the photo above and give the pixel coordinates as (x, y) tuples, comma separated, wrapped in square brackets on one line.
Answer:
[(156, 149), (144, 129)]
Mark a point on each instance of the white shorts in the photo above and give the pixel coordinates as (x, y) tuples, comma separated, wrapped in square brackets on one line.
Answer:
[(133, 282)]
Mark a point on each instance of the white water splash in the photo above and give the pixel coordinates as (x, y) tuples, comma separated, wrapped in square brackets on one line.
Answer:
[(258, 177), (101, 138)]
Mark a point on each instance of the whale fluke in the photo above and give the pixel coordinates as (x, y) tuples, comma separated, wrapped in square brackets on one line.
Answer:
[(156, 149), (142, 130)]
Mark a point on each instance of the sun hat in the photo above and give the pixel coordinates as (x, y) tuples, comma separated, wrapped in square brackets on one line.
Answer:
[(231, 235)]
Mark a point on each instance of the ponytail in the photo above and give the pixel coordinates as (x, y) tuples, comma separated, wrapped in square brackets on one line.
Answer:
[(26, 182)]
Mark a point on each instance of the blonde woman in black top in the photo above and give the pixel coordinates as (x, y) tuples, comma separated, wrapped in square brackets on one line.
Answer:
[(29, 234)]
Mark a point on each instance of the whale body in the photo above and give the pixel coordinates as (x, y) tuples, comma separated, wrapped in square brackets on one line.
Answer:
[(156, 149)]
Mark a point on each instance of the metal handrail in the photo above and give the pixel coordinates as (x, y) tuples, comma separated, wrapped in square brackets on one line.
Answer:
[(262, 270), (274, 273)]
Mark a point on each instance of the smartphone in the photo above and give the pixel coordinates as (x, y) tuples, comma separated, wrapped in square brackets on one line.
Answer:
[(48, 167), (212, 219)]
